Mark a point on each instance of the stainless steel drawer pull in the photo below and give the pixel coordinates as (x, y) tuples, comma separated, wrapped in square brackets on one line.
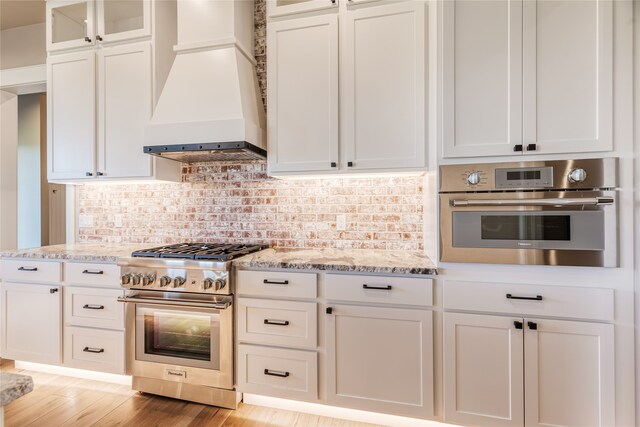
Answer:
[(583, 201), (275, 282), (93, 350), (93, 272), (377, 288), (93, 307), (276, 373), (536, 298), (28, 269), (276, 322)]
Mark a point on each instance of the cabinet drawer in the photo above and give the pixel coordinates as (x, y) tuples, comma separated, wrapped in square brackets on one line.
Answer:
[(379, 289), (97, 308), (28, 270), (560, 301), (80, 273), (277, 372), (277, 284), (94, 349), (283, 323)]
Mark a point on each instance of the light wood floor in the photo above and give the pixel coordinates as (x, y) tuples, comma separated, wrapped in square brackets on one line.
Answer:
[(65, 401)]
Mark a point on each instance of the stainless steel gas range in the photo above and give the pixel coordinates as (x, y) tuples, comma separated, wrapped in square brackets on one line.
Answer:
[(179, 321)]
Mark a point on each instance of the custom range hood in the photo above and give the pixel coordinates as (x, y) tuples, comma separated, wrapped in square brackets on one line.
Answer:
[(210, 107)]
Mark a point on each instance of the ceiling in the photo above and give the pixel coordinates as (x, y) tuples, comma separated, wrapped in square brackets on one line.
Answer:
[(16, 13)]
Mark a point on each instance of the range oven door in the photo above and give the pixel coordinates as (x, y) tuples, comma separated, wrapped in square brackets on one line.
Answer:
[(180, 338), (536, 228)]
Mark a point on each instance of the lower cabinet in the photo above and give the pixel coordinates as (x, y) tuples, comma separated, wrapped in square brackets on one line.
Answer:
[(380, 359), (31, 322), (565, 369), (94, 349)]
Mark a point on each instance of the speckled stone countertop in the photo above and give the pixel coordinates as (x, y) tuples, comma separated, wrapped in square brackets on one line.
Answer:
[(89, 252), (13, 386), (352, 260)]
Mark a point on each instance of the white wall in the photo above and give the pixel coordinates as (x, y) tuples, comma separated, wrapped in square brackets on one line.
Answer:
[(29, 195), (23, 46), (8, 162)]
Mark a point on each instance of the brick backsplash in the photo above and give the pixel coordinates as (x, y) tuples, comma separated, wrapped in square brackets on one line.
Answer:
[(220, 202)]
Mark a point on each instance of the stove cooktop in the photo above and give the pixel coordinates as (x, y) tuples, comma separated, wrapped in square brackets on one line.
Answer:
[(200, 251)]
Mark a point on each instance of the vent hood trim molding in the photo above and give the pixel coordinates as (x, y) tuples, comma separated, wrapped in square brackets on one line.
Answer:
[(215, 44)]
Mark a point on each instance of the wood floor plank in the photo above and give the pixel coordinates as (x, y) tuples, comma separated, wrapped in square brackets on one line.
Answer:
[(211, 416), (99, 409)]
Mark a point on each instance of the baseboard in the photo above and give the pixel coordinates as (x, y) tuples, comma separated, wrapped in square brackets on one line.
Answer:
[(72, 372)]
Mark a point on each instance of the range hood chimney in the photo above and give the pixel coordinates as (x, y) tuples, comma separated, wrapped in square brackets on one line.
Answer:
[(210, 107)]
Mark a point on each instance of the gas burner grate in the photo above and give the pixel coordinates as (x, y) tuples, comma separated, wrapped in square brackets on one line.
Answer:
[(200, 251)]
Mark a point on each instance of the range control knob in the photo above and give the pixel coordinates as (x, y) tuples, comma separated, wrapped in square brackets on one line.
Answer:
[(577, 175), (125, 279), (178, 281), (147, 279), (135, 279), (473, 178), (208, 284), (164, 281), (219, 284)]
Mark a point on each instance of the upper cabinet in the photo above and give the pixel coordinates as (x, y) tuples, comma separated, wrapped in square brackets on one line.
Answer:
[(287, 7), (75, 24), (347, 89), (526, 77)]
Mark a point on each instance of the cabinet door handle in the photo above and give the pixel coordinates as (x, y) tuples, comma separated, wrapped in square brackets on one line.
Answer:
[(532, 147), (533, 326), (333, 1), (92, 272), (276, 322), (350, 164), (93, 307), (536, 298), (100, 174), (334, 164), (517, 324), (89, 174), (93, 350), (280, 374), (99, 38), (53, 290), (87, 39), (28, 269), (517, 147), (329, 310), (377, 288), (275, 282)]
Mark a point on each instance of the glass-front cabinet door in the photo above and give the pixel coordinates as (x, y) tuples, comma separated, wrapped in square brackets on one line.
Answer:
[(287, 7), (70, 24), (123, 19)]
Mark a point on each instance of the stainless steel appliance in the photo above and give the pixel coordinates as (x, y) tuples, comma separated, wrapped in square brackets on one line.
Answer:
[(179, 321), (538, 213)]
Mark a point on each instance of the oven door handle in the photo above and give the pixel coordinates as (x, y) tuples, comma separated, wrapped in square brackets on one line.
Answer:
[(584, 201), (174, 303)]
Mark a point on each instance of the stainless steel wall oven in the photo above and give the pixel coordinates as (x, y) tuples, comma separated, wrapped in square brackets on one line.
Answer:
[(537, 213)]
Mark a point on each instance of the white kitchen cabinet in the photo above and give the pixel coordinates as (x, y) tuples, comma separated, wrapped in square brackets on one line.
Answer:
[(568, 373), (380, 359), (76, 24), (527, 77), (384, 89), (375, 120), (303, 94), (288, 7), (483, 370), (31, 322), (505, 371)]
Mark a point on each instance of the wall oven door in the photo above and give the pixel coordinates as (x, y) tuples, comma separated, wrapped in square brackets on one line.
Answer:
[(575, 228), (180, 338)]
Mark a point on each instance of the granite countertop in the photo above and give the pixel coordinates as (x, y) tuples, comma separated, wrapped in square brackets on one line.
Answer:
[(352, 260), (13, 386), (89, 252)]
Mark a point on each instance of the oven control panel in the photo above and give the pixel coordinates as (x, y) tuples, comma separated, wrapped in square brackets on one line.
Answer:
[(176, 280), (533, 177)]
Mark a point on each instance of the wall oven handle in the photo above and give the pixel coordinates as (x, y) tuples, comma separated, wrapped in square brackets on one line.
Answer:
[(174, 303), (584, 201)]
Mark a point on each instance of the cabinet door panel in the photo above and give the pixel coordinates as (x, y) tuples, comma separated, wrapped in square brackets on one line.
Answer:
[(31, 322), (124, 108), (288, 7), (483, 370), (567, 68), (482, 77), (123, 19), (385, 86), (380, 359), (569, 374), (70, 24), (303, 94), (71, 115)]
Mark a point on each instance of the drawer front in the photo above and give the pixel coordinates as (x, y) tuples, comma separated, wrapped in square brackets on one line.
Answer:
[(530, 300), (28, 270), (278, 372), (81, 273), (94, 349), (379, 289), (283, 323), (277, 284), (96, 308)]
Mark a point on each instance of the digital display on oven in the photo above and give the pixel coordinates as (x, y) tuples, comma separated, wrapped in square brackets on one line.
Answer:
[(523, 175)]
